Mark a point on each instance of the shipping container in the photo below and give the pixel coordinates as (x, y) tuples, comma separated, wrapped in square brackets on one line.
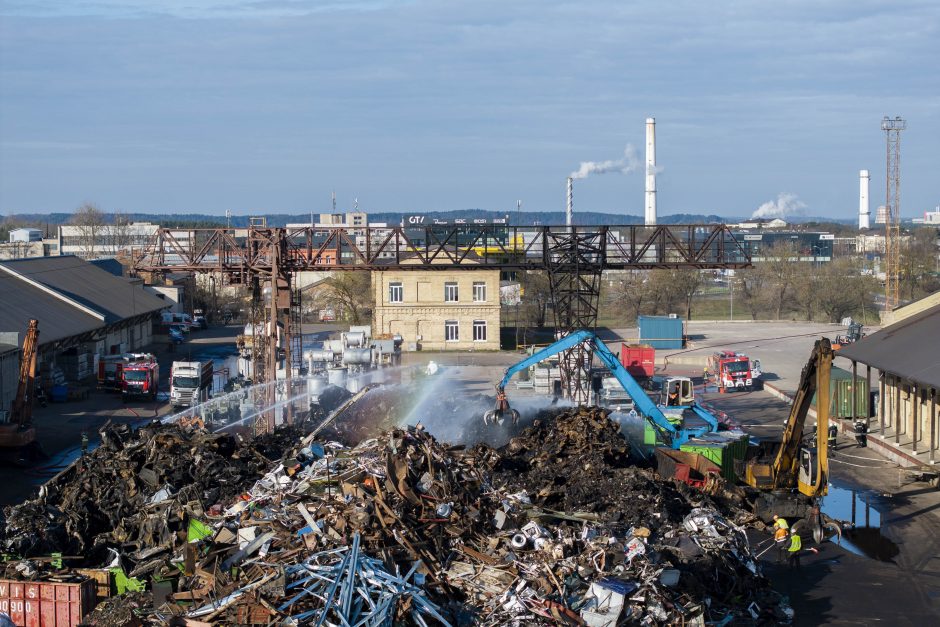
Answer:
[(47, 603), (842, 392), (638, 359), (722, 448), (661, 332)]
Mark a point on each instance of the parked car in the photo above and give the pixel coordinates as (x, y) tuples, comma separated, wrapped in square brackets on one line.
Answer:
[(176, 334), (200, 322)]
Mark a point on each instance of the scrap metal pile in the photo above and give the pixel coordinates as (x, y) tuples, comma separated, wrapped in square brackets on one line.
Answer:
[(557, 527)]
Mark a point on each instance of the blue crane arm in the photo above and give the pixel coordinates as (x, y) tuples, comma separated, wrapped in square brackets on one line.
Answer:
[(569, 341), (705, 415), (646, 406)]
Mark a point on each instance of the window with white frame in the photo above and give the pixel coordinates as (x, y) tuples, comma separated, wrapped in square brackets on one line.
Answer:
[(396, 293), (479, 292), (450, 293), (479, 330), (451, 332)]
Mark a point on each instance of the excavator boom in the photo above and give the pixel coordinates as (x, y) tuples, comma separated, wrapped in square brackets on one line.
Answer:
[(19, 433)]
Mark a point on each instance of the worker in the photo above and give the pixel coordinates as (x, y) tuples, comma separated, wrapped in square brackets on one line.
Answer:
[(781, 523), (673, 396), (705, 376), (780, 540), (796, 546), (84, 443)]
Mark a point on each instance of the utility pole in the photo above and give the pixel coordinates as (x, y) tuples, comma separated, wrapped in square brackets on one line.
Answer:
[(892, 129)]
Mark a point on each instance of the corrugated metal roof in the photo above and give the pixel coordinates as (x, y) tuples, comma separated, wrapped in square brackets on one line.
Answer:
[(114, 297), (907, 349), (57, 319)]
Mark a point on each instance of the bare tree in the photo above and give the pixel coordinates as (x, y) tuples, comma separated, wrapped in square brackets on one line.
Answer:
[(779, 268), (629, 294), (752, 291), (347, 293), (919, 273), (89, 220), (536, 298), (117, 234), (845, 290)]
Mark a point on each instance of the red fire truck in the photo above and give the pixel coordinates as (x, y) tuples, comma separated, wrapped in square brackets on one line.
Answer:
[(140, 376), (734, 371)]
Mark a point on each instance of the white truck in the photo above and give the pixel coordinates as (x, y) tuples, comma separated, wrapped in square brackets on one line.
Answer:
[(190, 383)]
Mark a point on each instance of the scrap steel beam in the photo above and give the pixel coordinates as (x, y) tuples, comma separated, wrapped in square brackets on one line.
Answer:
[(241, 253)]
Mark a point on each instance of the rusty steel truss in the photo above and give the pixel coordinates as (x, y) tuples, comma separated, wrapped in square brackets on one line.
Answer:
[(573, 257)]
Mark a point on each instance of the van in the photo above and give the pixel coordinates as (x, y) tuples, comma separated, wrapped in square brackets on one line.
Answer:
[(183, 319)]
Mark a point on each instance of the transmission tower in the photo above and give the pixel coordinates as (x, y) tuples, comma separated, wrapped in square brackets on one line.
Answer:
[(892, 129)]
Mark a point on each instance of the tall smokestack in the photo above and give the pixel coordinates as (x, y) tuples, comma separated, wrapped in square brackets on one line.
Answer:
[(650, 171), (864, 212), (569, 202)]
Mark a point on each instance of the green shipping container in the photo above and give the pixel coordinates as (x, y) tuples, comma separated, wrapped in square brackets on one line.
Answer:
[(650, 433), (842, 393), (722, 448)]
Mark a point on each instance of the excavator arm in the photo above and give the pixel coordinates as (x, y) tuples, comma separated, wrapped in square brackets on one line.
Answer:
[(642, 402), (22, 410)]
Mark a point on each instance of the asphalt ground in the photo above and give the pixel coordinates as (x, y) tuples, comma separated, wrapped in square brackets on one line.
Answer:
[(900, 585)]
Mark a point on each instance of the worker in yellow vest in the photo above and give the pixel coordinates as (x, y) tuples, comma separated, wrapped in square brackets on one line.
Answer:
[(780, 540), (796, 545)]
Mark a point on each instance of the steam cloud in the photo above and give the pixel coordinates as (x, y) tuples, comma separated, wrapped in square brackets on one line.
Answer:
[(625, 165), (786, 204)]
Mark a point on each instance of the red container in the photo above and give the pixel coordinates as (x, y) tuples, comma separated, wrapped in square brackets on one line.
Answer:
[(47, 603), (638, 359)]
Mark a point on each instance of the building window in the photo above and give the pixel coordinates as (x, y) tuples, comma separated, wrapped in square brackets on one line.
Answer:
[(479, 330), (479, 292), (451, 333), (396, 292), (450, 293)]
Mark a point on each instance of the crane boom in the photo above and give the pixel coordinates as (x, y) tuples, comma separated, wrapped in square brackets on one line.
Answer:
[(642, 402), (22, 410)]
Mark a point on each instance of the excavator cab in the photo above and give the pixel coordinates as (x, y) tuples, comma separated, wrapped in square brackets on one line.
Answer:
[(678, 392), (809, 470)]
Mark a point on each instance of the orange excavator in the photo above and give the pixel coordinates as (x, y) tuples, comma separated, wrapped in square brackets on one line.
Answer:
[(17, 434)]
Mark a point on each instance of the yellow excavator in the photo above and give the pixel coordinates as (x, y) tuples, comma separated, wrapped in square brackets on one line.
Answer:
[(791, 484), (17, 434)]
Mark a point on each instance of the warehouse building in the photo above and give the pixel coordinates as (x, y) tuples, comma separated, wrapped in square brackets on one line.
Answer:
[(903, 356), (84, 312)]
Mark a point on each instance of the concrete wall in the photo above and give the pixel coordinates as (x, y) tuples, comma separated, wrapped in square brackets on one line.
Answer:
[(912, 412), (423, 311)]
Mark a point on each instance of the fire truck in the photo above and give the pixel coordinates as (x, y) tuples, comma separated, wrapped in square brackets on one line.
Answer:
[(734, 371), (140, 376)]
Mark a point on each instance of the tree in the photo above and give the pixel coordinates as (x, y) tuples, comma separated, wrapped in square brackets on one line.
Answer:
[(751, 284), (919, 272), (117, 234), (779, 268), (89, 220), (843, 289), (629, 293), (536, 298), (349, 294)]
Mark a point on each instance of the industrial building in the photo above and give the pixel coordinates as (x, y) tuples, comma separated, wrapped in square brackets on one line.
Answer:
[(84, 312), (446, 309), (903, 356), (808, 246)]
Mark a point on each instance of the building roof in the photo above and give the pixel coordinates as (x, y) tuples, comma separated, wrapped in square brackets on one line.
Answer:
[(904, 349), (69, 296)]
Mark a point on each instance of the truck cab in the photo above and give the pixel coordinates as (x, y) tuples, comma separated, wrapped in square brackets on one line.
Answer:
[(190, 383), (140, 376)]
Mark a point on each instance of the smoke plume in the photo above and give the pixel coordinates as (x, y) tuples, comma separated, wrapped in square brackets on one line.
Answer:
[(787, 204), (628, 163)]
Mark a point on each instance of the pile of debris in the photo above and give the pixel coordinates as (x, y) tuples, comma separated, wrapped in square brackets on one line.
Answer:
[(557, 527)]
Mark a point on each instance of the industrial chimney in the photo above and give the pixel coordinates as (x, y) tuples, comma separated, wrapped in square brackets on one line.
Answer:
[(864, 213), (569, 201), (650, 171)]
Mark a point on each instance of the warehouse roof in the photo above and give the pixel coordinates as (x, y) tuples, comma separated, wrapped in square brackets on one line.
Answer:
[(904, 348), (113, 297), (68, 295)]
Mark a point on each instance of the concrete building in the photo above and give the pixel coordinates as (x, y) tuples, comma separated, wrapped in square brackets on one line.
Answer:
[(25, 235), (84, 312), (806, 245), (105, 240), (900, 361), (438, 309)]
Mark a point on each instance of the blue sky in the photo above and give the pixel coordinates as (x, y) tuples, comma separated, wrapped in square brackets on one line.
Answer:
[(176, 105)]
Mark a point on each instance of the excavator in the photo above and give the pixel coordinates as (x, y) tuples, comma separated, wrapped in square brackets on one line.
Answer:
[(792, 484), (17, 434), (678, 394)]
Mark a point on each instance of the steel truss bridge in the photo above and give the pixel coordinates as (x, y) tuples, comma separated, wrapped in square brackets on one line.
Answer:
[(573, 256)]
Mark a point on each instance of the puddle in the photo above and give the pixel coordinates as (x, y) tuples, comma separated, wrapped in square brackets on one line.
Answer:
[(859, 510)]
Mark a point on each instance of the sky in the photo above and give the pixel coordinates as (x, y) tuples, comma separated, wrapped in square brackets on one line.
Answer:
[(269, 106)]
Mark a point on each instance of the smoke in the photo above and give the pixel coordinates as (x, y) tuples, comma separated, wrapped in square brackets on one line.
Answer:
[(787, 204), (628, 163)]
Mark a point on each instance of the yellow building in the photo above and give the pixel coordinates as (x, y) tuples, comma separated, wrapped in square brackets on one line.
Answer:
[(438, 309)]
